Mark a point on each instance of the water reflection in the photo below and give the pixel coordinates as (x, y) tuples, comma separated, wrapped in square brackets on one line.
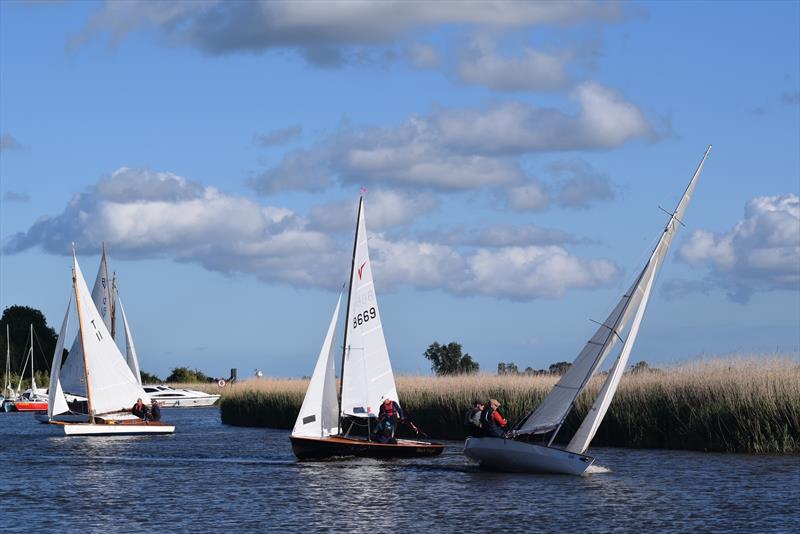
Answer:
[(210, 477)]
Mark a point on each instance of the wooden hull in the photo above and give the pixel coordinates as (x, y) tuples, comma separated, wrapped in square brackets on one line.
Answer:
[(307, 448), (119, 428), (519, 457)]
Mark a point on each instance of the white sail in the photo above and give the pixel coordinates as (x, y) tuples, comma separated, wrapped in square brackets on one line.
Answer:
[(580, 441), (73, 375), (554, 408), (367, 376), (111, 384), (319, 415), (56, 403), (130, 349)]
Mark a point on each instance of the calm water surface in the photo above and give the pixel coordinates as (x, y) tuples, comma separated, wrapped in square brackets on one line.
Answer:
[(211, 477)]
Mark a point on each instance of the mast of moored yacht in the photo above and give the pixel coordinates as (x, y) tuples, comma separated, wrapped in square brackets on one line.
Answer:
[(33, 380), (107, 290), (83, 340), (347, 316), (7, 384)]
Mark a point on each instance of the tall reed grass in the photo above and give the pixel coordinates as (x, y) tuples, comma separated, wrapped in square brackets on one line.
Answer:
[(731, 404)]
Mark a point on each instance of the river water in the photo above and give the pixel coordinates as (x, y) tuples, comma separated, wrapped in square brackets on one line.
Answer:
[(212, 477)]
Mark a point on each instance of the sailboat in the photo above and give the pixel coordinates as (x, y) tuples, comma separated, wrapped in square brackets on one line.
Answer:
[(9, 395), (530, 448), (367, 377), (33, 399), (111, 387)]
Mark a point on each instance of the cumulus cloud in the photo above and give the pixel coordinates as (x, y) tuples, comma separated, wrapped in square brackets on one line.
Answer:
[(534, 70), (423, 56), (277, 137), (321, 34), (761, 252), (461, 149), (514, 273), (385, 208), (147, 214), (13, 196), (8, 142), (503, 236), (572, 184)]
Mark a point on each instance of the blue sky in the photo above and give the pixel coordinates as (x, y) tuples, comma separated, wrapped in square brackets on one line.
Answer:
[(515, 156)]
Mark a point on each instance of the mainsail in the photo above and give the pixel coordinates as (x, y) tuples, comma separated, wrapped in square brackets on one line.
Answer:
[(111, 385), (550, 414), (367, 376), (56, 403), (73, 375), (319, 415), (130, 349)]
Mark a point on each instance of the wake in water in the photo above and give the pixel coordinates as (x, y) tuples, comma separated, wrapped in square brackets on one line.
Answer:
[(597, 469)]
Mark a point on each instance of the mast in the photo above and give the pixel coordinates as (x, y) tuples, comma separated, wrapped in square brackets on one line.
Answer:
[(33, 380), (83, 341), (113, 305), (107, 290), (347, 316), (6, 384)]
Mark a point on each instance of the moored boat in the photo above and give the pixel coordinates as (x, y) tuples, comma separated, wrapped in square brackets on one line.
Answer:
[(367, 378), (530, 446), (169, 397)]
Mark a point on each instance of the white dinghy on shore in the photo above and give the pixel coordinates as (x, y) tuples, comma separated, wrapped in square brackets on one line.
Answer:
[(111, 387), (529, 447)]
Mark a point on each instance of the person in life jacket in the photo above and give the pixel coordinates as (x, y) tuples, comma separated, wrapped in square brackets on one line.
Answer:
[(492, 423), (389, 415), (472, 419)]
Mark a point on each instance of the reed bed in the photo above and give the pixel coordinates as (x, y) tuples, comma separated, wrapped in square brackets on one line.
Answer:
[(730, 404)]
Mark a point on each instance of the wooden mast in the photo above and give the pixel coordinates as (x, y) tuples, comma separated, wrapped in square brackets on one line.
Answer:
[(108, 295), (347, 316), (83, 340)]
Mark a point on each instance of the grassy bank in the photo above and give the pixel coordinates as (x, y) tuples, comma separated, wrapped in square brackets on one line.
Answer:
[(733, 405)]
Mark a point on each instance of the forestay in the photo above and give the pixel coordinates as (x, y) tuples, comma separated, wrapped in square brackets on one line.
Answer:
[(319, 415), (56, 403), (130, 350), (111, 384), (554, 408), (73, 375), (367, 376)]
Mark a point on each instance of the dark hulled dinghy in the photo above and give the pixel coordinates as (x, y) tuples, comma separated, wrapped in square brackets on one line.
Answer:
[(367, 378)]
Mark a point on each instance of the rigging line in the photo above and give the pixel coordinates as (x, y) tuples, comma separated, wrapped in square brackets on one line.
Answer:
[(672, 216), (614, 330)]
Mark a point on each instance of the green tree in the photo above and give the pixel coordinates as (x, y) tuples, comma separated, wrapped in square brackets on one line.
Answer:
[(509, 368), (559, 368), (148, 378), (448, 360), (641, 367), (184, 374), (19, 320)]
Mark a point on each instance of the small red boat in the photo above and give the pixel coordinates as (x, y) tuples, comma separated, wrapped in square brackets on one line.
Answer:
[(29, 406)]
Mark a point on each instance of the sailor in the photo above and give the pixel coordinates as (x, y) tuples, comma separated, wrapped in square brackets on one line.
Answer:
[(492, 423), (389, 415), (139, 409), (155, 411), (472, 419)]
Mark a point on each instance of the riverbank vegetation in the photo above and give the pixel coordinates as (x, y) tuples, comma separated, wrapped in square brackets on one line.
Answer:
[(730, 404)]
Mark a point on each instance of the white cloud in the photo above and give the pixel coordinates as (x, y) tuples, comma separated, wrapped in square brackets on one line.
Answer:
[(149, 214), (761, 252), (533, 71), (460, 149), (578, 185), (605, 120), (384, 208), (423, 56), (528, 197), (323, 33)]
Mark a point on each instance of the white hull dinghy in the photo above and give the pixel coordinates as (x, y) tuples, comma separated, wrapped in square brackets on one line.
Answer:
[(367, 377), (111, 387), (517, 452)]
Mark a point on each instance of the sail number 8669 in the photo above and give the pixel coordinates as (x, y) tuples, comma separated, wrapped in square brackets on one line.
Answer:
[(364, 317)]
